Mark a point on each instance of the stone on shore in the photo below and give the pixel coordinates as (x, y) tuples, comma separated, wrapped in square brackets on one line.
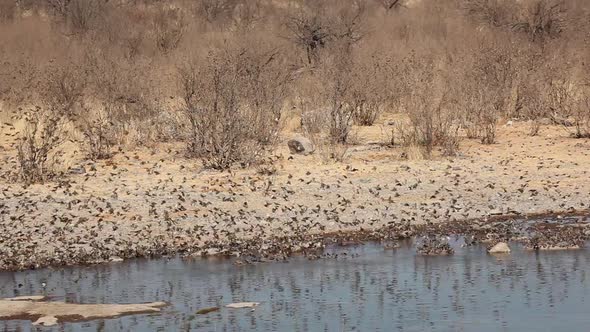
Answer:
[(300, 145), (500, 248)]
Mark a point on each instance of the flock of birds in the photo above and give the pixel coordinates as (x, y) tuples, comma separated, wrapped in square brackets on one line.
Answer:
[(150, 205)]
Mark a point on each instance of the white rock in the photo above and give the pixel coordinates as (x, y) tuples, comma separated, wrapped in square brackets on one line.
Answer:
[(500, 248), (46, 321), (240, 305)]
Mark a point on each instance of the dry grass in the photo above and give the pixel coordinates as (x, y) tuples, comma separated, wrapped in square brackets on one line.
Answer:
[(117, 71)]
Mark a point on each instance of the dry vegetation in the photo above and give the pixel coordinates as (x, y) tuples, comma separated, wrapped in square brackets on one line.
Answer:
[(223, 76)]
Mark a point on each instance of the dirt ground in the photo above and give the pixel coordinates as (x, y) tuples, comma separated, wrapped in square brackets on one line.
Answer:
[(154, 200)]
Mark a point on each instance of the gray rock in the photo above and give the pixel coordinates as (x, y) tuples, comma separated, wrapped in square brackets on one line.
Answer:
[(300, 145)]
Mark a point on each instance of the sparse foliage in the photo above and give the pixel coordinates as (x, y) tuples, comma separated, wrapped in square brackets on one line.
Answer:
[(232, 101), (392, 4), (97, 130), (108, 72), (309, 32), (7, 10), (169, 27), (541, 19), (37, 148)]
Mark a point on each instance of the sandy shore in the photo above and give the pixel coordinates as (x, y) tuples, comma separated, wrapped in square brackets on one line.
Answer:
[(146, 202)]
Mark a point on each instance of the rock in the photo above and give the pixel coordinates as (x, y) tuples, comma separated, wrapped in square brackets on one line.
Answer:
[(50, 313), (301, 145), (211, 252), (241, 305), (500, 248), (46, 321)]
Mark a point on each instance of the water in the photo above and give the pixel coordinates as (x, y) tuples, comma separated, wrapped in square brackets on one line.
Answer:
[(370, 289)]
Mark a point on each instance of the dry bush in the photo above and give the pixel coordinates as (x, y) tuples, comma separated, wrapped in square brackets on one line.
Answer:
[(332, 152), (215, 11), (113, 69), (432, 118), (19, 80), (232, 100), (64, 88), (481, 114), (336, 94), (496, 13), (390, 5), (486, 87), (78, 16), (581, 117), (327, 105), (124, 89), (571, 105), (169, 26), (97, 130), (37, 148), (369, 92), (538, 19), (313, 121), (431, 124), (560, 95), (311, 32), (84, 15), (326, 24), (7, 10), (348, 22), (541, 19), (532, 104), (247, 14), (125, 29), (59, 7), (65, 91)]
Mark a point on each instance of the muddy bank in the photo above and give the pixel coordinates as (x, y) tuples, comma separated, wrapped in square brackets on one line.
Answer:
[(539, 232)]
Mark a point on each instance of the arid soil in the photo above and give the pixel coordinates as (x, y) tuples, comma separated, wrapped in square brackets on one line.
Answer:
[(154, 201)]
